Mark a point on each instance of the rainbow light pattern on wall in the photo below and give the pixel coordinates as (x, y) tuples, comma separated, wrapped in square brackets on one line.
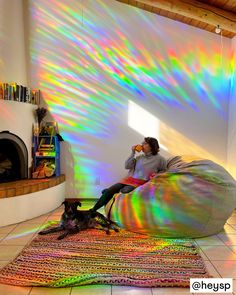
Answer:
[(90, 58)]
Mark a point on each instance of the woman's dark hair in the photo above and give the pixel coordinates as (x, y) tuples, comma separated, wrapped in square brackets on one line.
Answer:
[(154, 145)]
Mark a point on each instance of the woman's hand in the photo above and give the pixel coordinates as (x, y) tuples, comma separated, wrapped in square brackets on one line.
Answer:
[(133, 148)]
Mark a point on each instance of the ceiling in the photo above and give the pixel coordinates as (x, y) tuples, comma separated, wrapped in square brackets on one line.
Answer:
[(203, 14)]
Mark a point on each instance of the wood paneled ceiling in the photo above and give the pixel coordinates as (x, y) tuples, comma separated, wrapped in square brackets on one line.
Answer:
[(203, 14)]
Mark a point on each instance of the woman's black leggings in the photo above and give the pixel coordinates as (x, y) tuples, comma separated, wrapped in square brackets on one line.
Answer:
[(108, 193)]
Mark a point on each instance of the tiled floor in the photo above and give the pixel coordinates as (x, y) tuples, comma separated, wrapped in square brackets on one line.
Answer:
[(218, 252)]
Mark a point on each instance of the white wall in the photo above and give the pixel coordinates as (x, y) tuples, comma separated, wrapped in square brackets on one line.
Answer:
[(97, 60), (232, 115), (18, 118), (12, 42)]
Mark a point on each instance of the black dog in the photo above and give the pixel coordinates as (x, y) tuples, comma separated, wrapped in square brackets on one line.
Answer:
[(73, 220), (68, 221)]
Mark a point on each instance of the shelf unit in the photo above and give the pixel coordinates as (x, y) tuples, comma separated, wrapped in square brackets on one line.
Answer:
[(46, 147)]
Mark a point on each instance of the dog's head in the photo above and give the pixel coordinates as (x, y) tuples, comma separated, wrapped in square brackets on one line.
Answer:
[(71, 208)]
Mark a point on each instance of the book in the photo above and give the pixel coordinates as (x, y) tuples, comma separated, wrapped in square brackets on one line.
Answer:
[(45, 154), (17, 94), (9, 92), (1, 90), (27, 94), (21, 93), (13, 91), (24, 93), (45, 150), (5, 90), (47, 145)]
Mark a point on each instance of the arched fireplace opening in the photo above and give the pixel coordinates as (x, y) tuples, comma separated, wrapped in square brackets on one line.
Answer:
[(13, 157)]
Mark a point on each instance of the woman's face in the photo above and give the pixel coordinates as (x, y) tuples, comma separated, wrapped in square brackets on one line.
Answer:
[(146, 147)]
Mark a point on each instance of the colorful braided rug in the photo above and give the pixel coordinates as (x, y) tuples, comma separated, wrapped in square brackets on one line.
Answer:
[(92, 257)]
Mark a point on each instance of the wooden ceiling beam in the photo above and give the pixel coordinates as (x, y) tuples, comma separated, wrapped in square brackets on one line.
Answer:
[(192, 9)]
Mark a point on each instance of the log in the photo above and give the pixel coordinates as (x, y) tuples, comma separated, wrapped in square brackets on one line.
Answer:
[(192, 9)]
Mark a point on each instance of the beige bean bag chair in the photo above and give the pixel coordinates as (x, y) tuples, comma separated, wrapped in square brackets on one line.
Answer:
[(194, 198)]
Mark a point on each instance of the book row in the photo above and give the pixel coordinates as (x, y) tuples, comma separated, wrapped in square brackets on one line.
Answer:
[(16, 92)]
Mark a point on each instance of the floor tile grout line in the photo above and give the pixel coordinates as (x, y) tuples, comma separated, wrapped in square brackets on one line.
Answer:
[(15, 225), (231, 227), (151, 291), (19, 233), (5, 235), (215, 245), (228, 245), (225, 246), (210, 260), (215, 268), (222, 260)]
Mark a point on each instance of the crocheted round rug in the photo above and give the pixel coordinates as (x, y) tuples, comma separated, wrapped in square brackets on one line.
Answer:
[(92, 257)]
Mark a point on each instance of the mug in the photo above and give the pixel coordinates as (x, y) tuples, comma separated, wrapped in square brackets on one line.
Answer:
[(139, 148)]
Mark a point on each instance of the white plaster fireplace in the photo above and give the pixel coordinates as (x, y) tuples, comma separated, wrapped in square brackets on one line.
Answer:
[(16, 127)]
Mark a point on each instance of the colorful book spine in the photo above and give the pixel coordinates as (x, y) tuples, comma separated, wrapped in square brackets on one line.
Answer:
[(45, 154), (27, 94), (13, 91), (17, 97), (1, 91), (5, 91)]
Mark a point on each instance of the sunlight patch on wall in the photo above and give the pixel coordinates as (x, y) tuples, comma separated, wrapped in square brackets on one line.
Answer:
[(143, 122)]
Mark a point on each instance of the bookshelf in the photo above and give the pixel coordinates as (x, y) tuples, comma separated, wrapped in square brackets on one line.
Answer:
[(20, 93), (46, 156)]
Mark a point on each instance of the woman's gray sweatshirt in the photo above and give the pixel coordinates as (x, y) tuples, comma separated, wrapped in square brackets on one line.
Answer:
[(144, 165)]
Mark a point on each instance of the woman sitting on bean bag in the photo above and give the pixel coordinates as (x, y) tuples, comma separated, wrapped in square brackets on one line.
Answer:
[(141, 169)]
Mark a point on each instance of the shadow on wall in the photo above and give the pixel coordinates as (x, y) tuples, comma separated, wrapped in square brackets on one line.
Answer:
[(67, 168), (67, 162), (178, 144)]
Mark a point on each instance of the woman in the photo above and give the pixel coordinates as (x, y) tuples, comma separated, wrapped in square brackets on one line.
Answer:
[(141, 169)]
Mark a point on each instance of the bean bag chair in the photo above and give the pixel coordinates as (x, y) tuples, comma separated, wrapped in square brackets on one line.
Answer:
[(193, 198)]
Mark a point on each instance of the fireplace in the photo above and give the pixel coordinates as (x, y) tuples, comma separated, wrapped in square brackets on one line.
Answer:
[(26, 198), (13, 157)]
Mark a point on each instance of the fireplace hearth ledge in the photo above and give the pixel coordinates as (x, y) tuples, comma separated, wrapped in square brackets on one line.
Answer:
[(40, 199)]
